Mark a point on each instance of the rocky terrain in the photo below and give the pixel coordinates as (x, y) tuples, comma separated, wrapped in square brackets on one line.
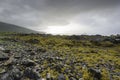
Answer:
[(47, 57)]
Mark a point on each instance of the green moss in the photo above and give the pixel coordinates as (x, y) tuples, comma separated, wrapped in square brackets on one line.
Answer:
[(90, 52)]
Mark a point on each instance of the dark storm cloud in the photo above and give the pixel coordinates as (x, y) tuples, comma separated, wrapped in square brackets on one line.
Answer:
[(82, 3), (42, 13)]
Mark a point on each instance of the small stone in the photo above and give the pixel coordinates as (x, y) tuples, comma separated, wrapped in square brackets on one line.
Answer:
[(18, 55), (1, 48), (42, 79), (48, 76), (81, 79), (3, 56), (2, 71), (72, 78), (61, 77)]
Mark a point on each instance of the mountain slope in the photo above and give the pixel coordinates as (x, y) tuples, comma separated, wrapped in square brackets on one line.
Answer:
[(5, 27)]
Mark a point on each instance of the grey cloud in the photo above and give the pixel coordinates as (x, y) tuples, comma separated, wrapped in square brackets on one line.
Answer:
[(36, 14), (101, 22)]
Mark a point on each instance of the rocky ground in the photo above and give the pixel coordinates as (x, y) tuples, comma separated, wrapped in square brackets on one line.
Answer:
[(23, 61)]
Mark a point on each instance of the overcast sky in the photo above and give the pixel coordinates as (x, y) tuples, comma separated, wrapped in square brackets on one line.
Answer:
[(64, 16)]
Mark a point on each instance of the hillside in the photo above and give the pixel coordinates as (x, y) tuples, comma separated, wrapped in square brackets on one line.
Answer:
[(5, 27)]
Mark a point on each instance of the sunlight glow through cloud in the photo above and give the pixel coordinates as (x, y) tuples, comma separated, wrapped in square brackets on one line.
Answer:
[(68, 29)]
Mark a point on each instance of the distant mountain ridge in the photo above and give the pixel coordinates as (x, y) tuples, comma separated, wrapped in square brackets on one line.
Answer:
[(6, 27)]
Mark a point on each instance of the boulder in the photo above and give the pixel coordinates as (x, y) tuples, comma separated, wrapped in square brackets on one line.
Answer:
[(14, 74), (3, 56), (95, 73), (32, 74), (6, 51), (28, 62), (41, 49), (33, 41)]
